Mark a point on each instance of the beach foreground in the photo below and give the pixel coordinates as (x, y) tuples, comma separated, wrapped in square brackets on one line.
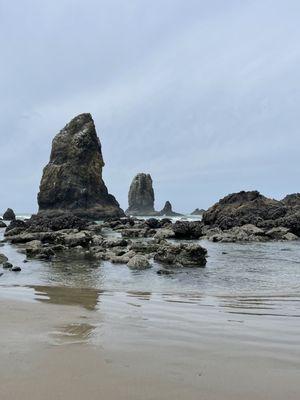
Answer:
[(60, 343)]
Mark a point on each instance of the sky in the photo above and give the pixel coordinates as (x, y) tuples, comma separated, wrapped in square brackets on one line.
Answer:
[(202, 94)]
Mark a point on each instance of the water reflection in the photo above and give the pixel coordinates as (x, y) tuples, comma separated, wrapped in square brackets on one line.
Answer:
[(87, 298)]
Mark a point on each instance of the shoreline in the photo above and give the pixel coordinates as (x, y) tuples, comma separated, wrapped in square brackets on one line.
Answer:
[(138, 348)]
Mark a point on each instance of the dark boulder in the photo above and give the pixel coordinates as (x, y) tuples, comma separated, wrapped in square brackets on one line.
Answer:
[(184, 255), (55, 222), (72, 180), (187, 229)]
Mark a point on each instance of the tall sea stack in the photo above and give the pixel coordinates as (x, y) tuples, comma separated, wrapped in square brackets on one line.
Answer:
[(141, 196), (72, 180)]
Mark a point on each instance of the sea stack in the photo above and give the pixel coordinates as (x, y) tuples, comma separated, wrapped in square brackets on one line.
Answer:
[(9, 215), (72, 180), (168, 210), (141, 196)]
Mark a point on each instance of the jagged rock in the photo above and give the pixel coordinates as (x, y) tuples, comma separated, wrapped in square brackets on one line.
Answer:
[(141, 196), (138, 262), (2, 224), (72, 180), (185, 255), (168, 211), (198, 211), (9, 215)]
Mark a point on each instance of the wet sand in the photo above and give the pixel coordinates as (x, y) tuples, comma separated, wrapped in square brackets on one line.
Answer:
[(136, 346)]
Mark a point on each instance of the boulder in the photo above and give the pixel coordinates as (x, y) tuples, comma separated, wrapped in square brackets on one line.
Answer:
[(72, 180), (164, 233), (9, 215), (184, 255), (82, 238), (187, 229), (138, 262), (141, 196)]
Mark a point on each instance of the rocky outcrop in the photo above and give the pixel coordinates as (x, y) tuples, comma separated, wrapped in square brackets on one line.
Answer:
[(141, 196), (9, 215), (56, 238), (168, 211), (72, 180), (243, 208)]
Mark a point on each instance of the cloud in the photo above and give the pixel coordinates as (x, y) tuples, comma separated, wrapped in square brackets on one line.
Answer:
[(202, 94)]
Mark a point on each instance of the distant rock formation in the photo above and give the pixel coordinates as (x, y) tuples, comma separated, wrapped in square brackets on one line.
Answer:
[(141, 196), (239, 209), (9, 215), (198, 211), (168, 211), (72, 180)]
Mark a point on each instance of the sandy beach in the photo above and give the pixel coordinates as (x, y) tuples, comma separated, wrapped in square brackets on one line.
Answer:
[(59, 351)]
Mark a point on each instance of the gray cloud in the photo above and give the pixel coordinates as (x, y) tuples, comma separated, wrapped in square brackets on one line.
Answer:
[(203, 95)]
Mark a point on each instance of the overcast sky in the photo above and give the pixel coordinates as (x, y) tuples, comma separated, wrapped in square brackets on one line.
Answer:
[(202, 94)]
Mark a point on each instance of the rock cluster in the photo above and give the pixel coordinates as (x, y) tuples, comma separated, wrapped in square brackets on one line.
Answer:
[(47, 238), (72, 180)]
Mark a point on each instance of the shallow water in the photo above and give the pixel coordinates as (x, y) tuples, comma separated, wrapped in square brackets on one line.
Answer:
[(242, 309)]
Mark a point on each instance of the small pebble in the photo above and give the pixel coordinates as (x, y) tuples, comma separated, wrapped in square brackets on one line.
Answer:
[(16, 268)]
